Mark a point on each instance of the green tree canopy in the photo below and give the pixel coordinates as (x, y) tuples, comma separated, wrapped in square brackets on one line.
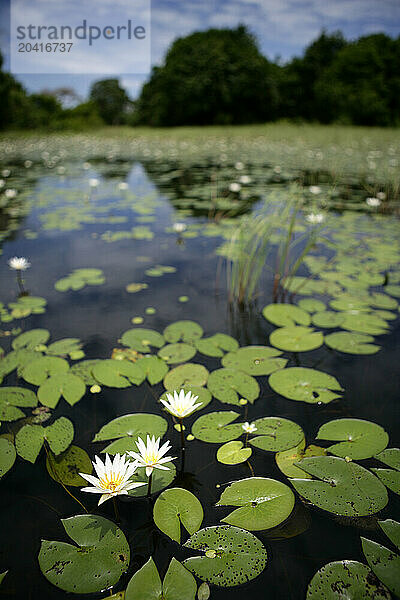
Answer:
[(111, 100)]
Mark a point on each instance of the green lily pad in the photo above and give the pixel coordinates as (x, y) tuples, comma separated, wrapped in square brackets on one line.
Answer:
[(390, 478), (358, 439), (178, 583), (231, 555), (84, 368), (345, 579), (2, 575), (97, 562), (306, 385), (64, 347), (343, 488), (327, 319), (118, 373), (186, 375), (174, 507), (29, 439), (311, 305), (393, 290), (365, 323), (383, 301), (254, 360), (31, 339), (286, 315), (286, 459), (275, 434), (390, 457), (177, 353), (233, 453), (128, 428), (384, 563), (215, 345), (71, 387), (351, 343), (296, 339), (7, 456), (228, 384), (346, 303), (185, 331), (39, 370), (161, 479), (392, 530), (141, 339), (217, 427), (13, 397), (65, 467), (203, 395), (153, 367), (263, 503)]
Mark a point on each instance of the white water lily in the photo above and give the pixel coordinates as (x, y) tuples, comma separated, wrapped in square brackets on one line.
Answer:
[(249, 427), (113, 477), (123, 186), (19, 263), (373, 202), (381, 196), (10, 193), (234, 187), (315, 218), (245, 179), (93, 182), (314, 189), (181, 405), (179, 227), (150, 455)]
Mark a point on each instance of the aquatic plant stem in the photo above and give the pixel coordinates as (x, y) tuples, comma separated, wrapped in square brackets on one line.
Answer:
[(118, 518), (59, 480), (20, 282), (149, 485), (182, 445), (251, 468)]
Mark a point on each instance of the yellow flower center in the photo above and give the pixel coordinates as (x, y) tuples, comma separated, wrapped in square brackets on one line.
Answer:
[(111, 483)]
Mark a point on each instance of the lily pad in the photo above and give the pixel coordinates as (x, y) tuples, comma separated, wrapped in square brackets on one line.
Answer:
[(141, 339), (39, 370), (30, 438), (233, 453), (343, 488), (358, 439), (185, 331), (215, 345), (217, 427), (296, 339), (177, 353), (153, 367), (83, 369), (31, 339), (275, 434), (97, 562), (390, 478), (286, 459), (345, 579), (311, 305), (118, 373), (327, 319), (263, 503), (254, 360), (178, 583), (66, 466), (286, 315), (365, 323), (13, 397), (393, 290), (228, 384), (7, 456), (306, 385), (185, 375), (66, 385), (174, 507), (351, 343), (127, 429), (161, 479), (65, 346), (231, 555), (390, 457), (384, 563)]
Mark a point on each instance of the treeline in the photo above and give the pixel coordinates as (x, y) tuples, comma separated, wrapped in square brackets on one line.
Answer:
[(220, 77)]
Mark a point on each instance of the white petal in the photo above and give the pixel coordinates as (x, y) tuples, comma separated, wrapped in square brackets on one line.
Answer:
[(104, 498), (133, 485), (149, 471), (90, 478), (158, 466), (92, 490)]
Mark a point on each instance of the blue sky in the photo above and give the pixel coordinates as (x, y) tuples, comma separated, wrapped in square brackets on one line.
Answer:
[(282, 27)]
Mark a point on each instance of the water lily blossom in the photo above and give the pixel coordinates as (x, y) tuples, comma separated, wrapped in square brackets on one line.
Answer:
[(234, 187), (150, 455), (315, 218), (19, 264), (179, 227), (314, 189), (373, 202), (93, 182), (249, 427), (181, 405), (113, 477)]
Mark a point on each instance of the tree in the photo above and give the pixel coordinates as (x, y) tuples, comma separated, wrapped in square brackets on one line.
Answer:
[(216, 76), (111, 100)]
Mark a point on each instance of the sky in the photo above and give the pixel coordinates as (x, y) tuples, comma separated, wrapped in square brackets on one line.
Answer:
[(283, 28)]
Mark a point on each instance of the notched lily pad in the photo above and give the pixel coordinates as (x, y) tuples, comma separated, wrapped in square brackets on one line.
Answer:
[(358, 439), (66, 385), (13, 397), (296, 339), (228, 384), (189, 374), (142, 339), (276, 433), (233, 453), (286, 315), (66, 466), (146, 584), (351, 343), (217, 427), (255, 360), (185, 331), (174, 507), (7, 456), (127, 429), (118, 373), (384, 563), (215, 345), (177, 353)]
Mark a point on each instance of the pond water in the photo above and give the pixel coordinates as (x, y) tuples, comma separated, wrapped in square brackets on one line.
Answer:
[(75, 214)]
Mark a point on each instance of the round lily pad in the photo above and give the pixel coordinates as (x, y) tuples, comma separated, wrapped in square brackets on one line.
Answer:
[(174, 507), (390, 478), (217, 427), (66, 466), (228, 384), (231, 555), (343, 488), (31, 339), (146, 584), (346, 579), (275, 434), (84, 370), (286, 459), (118, 373), (351, 343), (311, 305), (177, 353), (254, 360), (286, 315), (215, 345), (97, 562), (39, 370), (153, 367), (185, 331), (296, 339), (187, 374), (358, 439), (141, 339), (327, 319), (7, 456), (384, 563), (390, 457), (128, 428), (233, 453), (383, 301), (13, 397), (365, 323), (263, 503), (306, 385)]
